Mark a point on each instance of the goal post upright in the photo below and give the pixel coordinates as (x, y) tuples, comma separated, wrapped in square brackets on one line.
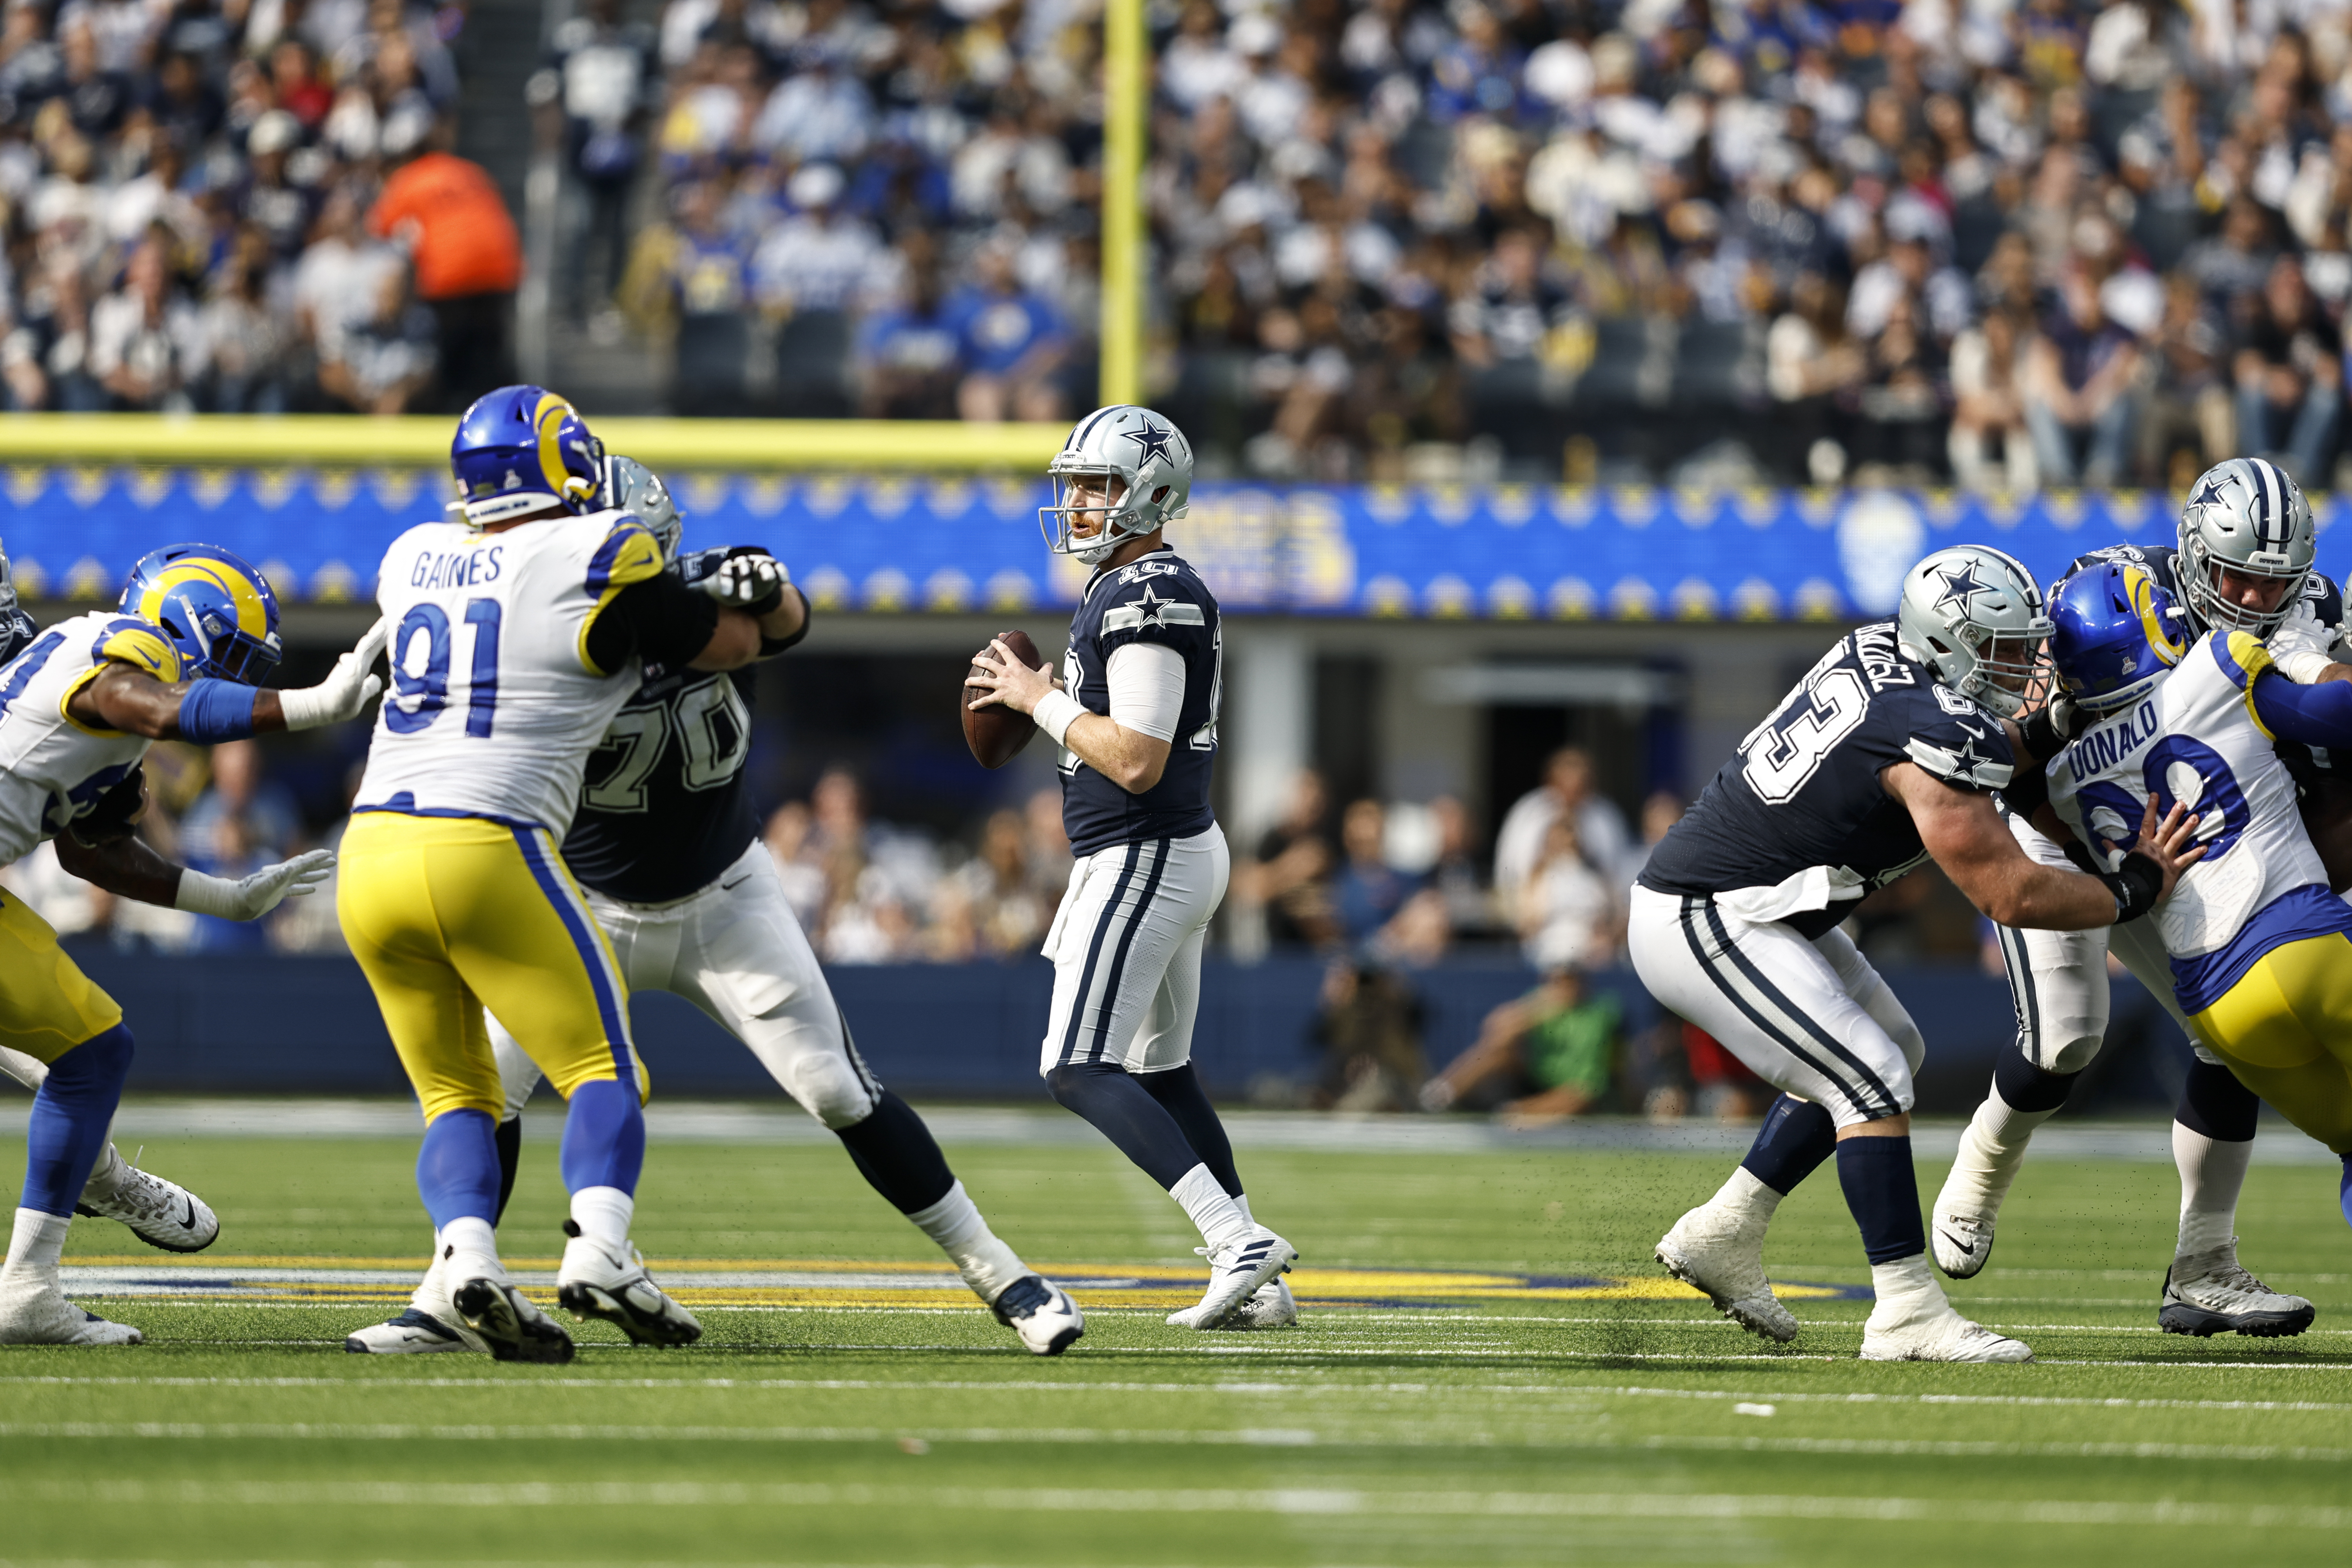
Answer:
[(1127, 81)]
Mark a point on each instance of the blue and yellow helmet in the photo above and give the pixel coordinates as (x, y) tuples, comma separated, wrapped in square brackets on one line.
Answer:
[(520, 447), (217, 611), (2114, 634)]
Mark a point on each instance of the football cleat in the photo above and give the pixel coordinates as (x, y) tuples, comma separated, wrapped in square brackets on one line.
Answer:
[(1711, 1250), (35, 1311), (1272, 1306), (1042, 1313), (593, 1283), (512, 1328), (430, 1325), (1962, 1242), (2211, 1294), (1236, 1272), (162, 1214), (1940, 1336)]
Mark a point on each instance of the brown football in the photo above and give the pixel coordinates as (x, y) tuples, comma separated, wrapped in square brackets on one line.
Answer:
[(996, 734)]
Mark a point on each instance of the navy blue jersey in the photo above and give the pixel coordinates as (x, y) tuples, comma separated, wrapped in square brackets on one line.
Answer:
[(1800, 805), (662, 810), (1154, 598)]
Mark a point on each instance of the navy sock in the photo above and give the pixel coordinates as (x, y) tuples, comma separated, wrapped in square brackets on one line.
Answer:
[(1796, 1137), (2214, 1102), (604, 1136), (2024, 1087), (1122, 1111), (509, 1162), (70, 1116), (1179, 1093), (1882, 1190), (897, 1155), (457, 1168)]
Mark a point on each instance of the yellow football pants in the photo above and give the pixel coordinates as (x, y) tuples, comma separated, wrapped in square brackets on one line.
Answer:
[(2285, 1030), (450, 914), (47, 1005)]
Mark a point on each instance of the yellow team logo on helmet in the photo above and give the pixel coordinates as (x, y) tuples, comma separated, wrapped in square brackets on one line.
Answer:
[(2169, 645)]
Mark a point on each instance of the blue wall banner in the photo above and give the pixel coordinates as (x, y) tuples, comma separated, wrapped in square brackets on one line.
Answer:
[(915, 546)]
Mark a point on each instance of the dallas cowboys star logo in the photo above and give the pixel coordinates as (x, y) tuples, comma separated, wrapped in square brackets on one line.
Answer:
[(1965, 762), (1148, 607), (1959, 584), (1152, 439)]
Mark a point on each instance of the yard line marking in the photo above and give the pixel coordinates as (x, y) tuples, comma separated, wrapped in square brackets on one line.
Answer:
[(1278, 1437), (1298, 1500)]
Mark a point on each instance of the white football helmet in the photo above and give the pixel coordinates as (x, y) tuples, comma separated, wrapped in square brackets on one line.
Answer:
[(1147, 456), (2248, 516), (1975, 617), (630, 486)]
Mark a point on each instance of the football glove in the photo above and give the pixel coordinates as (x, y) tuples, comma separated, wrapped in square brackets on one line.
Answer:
[(754, 583), (250, 898), (344, 692), (116, 816)]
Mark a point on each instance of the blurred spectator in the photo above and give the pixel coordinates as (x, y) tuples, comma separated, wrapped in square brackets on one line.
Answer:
[(602, 68), (1988, 446), (1568, 791), (1368, 1026), (145, 346), (787, 837), (2289, 370), (1368, 892), (1011, 343), (1548, 1056), (2078, 385), (1007, 910), (1289, 878), (1728, 1091), (910, 356), (246, 336), (1567, 911), (2190, 400), (382, 363), (242, 822), (447, 214)]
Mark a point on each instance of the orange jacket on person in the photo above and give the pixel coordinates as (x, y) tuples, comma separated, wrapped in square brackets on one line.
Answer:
[(464, 241)]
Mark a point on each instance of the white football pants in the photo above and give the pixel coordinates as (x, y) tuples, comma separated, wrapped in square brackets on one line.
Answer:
[(736, 950), (1125, 946), (1811, 1018)]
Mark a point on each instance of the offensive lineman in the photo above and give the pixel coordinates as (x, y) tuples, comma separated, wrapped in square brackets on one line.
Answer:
[(516, 635), (670, 854), (2244, 563), (78, 709), (165, 1214), (1883, 756), (1136, 716)]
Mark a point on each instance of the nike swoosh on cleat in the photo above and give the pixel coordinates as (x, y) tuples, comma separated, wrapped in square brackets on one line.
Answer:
[(191, 1220), (1965, 1251)]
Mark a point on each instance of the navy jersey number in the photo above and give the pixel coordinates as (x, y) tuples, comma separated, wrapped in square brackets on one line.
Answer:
[(712, 725), (1786, 750)]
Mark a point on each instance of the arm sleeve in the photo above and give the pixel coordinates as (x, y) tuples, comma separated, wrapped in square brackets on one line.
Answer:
[(659, 619), (2308, 715), (1146, 688)]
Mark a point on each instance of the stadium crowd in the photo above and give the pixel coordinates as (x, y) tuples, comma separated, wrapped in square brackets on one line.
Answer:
[(2015, 242), (243, 206)]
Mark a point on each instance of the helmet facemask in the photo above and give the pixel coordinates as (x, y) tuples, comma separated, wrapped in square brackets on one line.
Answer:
[(1105, 503), (2246, 518), (2201, 584)]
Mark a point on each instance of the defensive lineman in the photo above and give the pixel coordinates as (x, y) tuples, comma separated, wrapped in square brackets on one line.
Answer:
[(2244, 563), (1883, 757), (78, 709), (162, 1214), (1136, 716), (518, 635), (668, 849)]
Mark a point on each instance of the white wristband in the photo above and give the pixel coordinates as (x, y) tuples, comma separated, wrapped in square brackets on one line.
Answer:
[(1055, 713), (201, 894), (2303, 667), (306, 707)]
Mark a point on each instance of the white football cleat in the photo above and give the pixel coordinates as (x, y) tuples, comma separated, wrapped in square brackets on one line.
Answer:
[(35, 1311), (1962, 1242), (1042, 1313), (1237, 1271), (162, 1214), (512, 1328), (430, 1325), (1938, 1336), (1271, 1306), (1718, 1253), (2211, 1294), (593, 1283)]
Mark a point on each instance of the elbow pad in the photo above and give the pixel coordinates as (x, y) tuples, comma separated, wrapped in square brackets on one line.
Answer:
[(2135, 885)]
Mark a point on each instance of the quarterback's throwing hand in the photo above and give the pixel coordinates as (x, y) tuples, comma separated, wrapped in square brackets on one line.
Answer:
[(250, 898), (350, 688), (752, 583), (1006, 679)]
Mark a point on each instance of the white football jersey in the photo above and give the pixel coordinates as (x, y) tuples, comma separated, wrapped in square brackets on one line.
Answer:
[(494, 705), (2196, 738), (52, 769)]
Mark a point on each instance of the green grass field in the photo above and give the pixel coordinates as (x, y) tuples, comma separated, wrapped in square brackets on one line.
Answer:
[(1472, 1429)]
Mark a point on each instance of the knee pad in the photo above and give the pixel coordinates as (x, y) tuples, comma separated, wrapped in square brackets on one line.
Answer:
[(830, 1089)]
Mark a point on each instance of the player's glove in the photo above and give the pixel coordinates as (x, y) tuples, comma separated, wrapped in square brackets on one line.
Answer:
[(344, 692), (250, 898), (116, 816), (751, 583)]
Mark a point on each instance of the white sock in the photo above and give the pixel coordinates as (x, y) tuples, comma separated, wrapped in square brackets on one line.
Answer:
[(1222, 1222), (1747, 1196), (987, 1265), (107, 1175), (603, 1215), (470, 1249), (2212, 1174), (1241, 1201), (37, 1242), (1907, 1291), (1993, 1147)]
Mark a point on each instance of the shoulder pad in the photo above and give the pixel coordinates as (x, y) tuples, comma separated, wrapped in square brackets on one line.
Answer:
[(1969, 751), (630, 553), (135, 643), (2239, 656)]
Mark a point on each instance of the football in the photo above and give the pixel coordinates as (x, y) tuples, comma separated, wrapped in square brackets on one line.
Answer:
[(997, 733)]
